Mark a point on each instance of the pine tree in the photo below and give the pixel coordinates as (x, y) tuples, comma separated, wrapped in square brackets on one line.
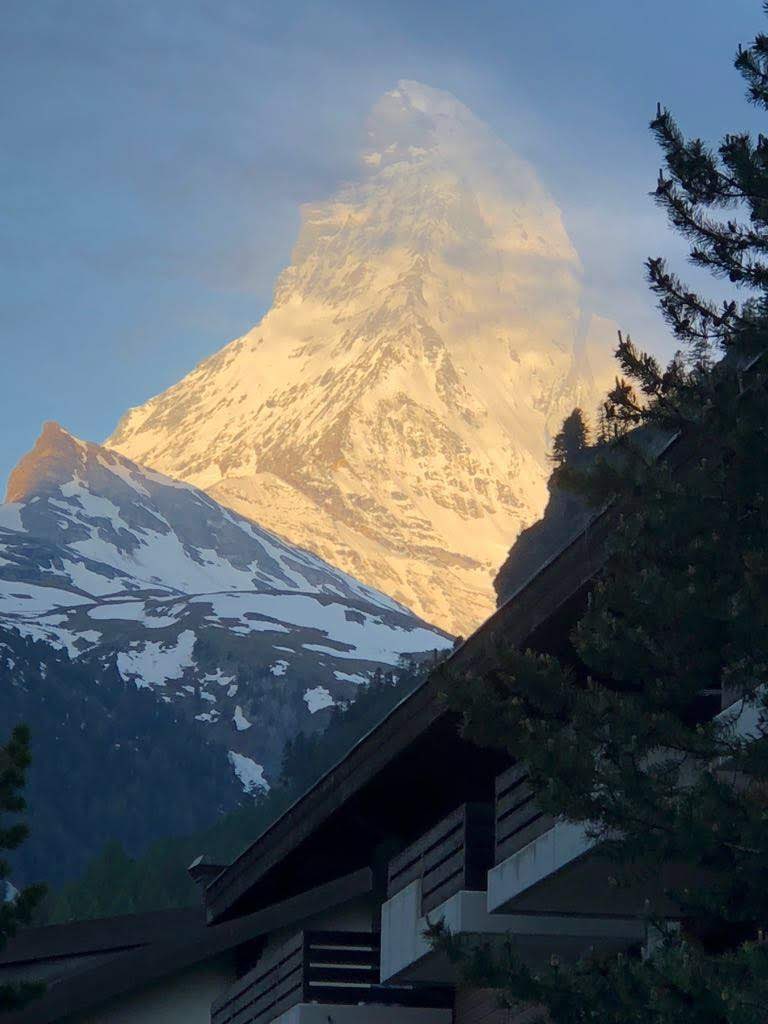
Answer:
[(14, 761), (626, 738), (571, 440)]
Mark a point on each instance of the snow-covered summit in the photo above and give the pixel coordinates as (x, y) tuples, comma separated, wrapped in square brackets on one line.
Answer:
[(413, 120), (393, 410)]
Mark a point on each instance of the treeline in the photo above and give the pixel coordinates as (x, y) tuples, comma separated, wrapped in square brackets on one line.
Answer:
[(107, 760), (116, 883)]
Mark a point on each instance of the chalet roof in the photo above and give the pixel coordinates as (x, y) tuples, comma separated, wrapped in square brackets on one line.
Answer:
[(538, 599), (104, 935), (143, 964)]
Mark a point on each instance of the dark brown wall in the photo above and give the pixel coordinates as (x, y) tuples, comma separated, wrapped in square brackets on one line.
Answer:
[(480, 1006)]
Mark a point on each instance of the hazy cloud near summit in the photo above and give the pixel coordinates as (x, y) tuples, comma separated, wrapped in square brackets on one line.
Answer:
[(155, 156)]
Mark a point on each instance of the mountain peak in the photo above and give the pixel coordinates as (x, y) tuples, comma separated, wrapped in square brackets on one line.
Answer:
[(51, 428), (393, 411), (413, 121), (429, 100), (51, 462)]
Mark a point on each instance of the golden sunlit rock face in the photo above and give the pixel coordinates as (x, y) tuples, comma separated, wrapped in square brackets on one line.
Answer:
[(393, 410), (45, 467)]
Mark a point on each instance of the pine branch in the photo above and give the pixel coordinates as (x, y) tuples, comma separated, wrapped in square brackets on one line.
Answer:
[(752, 63), (691, 317), (692, 165)]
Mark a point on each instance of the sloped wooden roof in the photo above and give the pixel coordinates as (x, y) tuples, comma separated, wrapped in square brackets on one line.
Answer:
[(181, 942)]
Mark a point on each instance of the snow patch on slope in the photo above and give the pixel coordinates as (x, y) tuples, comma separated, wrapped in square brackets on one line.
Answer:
[(154, 664), (318, 698), (241, 722), (250, 774)]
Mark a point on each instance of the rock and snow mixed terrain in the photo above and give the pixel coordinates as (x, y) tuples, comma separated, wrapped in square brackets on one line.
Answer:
[(248, 637), (393, 410)]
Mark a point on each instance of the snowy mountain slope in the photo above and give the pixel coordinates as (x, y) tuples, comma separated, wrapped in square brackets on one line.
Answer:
[(109, 762), (393, 410), (248, 637)]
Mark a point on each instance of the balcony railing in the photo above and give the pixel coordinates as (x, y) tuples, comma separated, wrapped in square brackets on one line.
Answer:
[(518, 818), (316, 967), (454, 855)]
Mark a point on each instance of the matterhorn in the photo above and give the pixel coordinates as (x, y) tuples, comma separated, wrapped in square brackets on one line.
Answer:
[(394, 409)]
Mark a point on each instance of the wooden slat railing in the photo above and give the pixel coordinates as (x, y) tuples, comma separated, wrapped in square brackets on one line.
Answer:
[(518, 817), (456, 854), (341, 967), (327, 967), (275, 984), (318, 967)]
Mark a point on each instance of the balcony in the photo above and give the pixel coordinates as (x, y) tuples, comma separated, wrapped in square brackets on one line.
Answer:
[(518, 821), (455, 855), (551, 866), (530, 846), (319, 975), (442, 876)]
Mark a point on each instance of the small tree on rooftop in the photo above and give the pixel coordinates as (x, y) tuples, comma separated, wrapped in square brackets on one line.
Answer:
[(571, 440), (18, 910), (625, 738)]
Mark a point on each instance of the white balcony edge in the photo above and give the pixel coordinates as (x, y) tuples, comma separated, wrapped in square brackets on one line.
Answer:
[(543, 856), (565, 842), (344, 1013), (404, 944), (403, 927)]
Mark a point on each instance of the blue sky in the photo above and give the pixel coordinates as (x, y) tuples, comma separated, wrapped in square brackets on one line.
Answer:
[(155, 154)]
